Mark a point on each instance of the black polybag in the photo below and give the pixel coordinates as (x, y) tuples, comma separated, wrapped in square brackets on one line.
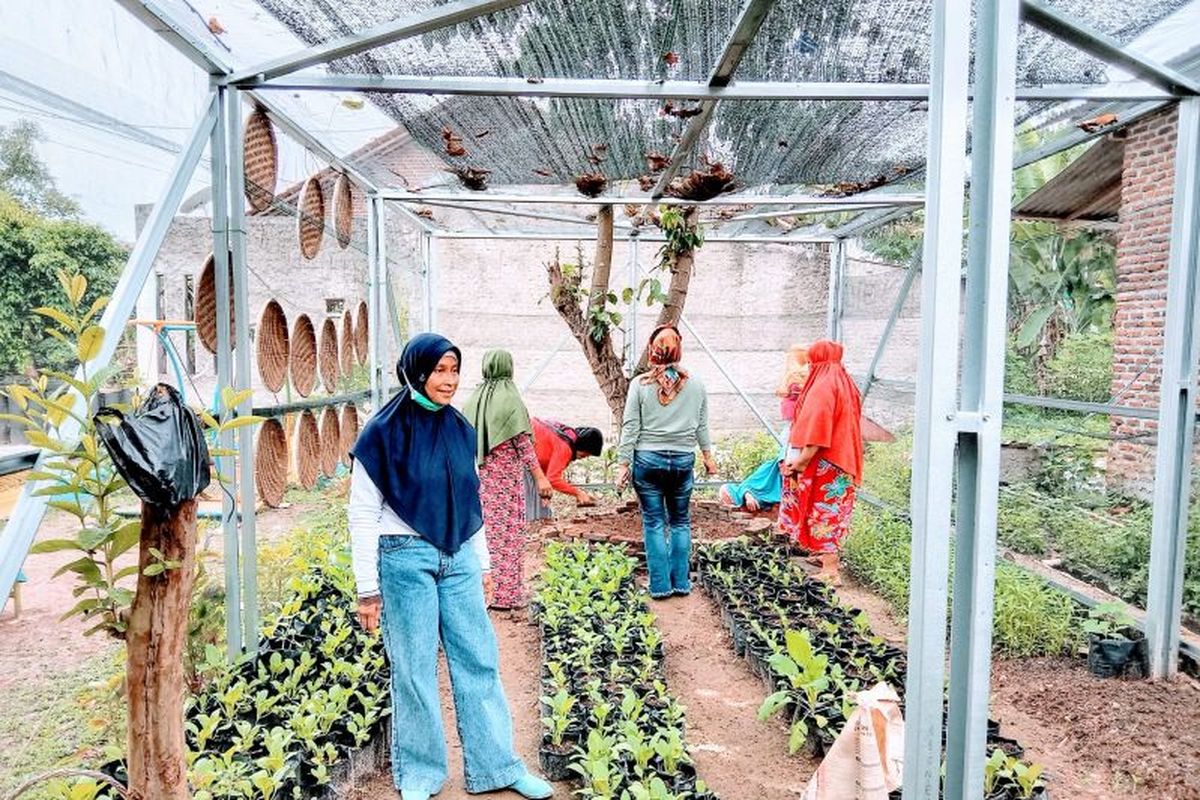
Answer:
[(160, 451)]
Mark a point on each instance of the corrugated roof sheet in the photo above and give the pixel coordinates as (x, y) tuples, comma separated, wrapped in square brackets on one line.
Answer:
[(1089, 188)]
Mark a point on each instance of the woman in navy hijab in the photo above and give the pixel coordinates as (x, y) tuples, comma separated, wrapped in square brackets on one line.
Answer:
[(421, 564)]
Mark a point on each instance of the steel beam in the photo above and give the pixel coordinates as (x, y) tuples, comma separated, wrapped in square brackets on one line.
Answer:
[(376, 232), (577, 236), (936, 402), (423, 22), (852, 203), (837, 290), (910, 276), (1177, 403), (982, 404), (612, 89), (750, 20), (176, 34), (542, 367), (225, 465), (514, 212), (241, 377), (1107, 49), (29, 509)]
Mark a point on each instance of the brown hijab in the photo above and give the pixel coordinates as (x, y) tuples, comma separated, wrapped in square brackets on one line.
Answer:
[(666, 351)]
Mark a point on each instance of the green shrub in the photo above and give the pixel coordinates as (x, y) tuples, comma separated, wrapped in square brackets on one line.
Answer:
[(878, 553), (1020, 377), (739, 455), (887, 472), (1020, 524), (1081, 368)]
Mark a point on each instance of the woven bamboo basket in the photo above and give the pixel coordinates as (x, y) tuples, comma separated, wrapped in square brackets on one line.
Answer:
[(331, 441), (271, 463), (343, 210), (346, 346), (362, 333), (260, 160), (206, 305), (303, 356), (308, 450), (272, 346), (327, 356), (311, 222), (349, 431)]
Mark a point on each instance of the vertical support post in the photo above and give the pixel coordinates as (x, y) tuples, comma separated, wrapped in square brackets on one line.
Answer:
[(635, 272), (242, 378), (431, 283), (893, 318), (220, 228), (982, 395), (837, 281), (1177, 403), (374, 287), (934, 430)]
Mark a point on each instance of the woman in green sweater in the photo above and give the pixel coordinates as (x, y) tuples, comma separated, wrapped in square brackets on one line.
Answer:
[(666, 419)]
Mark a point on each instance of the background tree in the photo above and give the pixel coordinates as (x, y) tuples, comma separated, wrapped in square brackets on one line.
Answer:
[(25, 177)]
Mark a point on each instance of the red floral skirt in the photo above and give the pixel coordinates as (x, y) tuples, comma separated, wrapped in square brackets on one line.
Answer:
[(816, 507)]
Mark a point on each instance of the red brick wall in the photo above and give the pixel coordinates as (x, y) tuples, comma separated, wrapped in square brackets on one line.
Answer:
[(1143, 245)]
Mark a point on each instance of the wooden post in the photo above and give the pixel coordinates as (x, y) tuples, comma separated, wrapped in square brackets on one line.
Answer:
[(155, 643)]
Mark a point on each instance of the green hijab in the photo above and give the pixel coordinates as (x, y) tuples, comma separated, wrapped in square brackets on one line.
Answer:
[(495, 407)]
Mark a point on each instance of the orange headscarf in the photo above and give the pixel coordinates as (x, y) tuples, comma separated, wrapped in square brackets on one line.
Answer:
[(829, 411), (666, 351)]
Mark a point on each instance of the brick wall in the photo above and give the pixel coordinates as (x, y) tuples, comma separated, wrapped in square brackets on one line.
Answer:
[(1143, 246)]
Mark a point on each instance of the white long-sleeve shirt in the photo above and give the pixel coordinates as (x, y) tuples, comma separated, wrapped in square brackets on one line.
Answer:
[(371, 517)]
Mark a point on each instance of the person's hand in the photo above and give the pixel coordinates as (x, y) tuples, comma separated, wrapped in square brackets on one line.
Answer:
[(710, 464), (793, 466), (369, 609), (545, 490), (751, 502), (584, 500), (623, 475), (487, 588)]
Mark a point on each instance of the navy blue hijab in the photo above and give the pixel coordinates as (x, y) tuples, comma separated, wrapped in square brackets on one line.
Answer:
[(424, 461)]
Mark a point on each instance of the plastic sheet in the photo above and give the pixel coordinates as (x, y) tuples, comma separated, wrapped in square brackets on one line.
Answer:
[(160, 451)]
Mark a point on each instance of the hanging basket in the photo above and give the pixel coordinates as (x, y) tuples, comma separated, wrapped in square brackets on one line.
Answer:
[(304, 356), (311, 222), (308, 450), (271, 463), (331, 441), (260, 160), (327, 356), (362, 331), (206, 305), (343, 210), (346, 345), (349, 431), (272, 346)]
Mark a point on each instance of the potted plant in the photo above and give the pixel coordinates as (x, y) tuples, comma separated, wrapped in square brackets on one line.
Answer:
[(1115, 647), (554, 756)]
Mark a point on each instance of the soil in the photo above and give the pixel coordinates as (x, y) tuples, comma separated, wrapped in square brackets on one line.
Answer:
[(1098, 738)]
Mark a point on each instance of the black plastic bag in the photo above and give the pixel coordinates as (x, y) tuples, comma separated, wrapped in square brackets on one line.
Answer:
[(160, 451), (1117, 657)]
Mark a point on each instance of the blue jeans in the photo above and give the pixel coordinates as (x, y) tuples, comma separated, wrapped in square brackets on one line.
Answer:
[(427, 596), (663, 482)]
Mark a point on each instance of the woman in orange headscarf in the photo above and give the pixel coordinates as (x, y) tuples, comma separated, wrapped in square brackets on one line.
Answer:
[(825, 459)]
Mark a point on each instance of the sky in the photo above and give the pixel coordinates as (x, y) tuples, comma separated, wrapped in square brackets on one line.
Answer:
[(60, 60)]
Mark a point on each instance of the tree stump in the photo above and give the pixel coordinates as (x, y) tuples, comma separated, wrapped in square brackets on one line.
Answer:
[(155, 643)]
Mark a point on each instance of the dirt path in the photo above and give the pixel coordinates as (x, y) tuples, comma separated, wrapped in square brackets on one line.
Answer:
[(738, 756)]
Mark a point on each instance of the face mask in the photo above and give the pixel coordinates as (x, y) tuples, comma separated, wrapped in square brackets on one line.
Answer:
[(420, 399)]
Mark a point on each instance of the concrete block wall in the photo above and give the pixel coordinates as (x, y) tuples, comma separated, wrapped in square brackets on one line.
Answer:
[(1143, 250)]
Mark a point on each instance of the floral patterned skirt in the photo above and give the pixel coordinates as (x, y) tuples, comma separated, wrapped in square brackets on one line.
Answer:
[(816, 507)]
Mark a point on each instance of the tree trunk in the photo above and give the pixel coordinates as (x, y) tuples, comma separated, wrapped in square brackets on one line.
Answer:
[(155, 643), (603, 359), (681, 277)]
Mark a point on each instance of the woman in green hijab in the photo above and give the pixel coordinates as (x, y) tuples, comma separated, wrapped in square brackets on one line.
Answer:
[(504, 451)]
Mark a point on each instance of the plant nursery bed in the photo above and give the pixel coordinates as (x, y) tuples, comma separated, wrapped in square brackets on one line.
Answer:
[(622, 524)]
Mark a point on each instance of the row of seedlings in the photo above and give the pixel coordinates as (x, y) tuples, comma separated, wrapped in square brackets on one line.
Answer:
[(814, 654), (609, 722)]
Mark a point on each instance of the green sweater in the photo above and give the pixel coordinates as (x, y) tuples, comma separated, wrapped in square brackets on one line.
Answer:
[(677, 427)]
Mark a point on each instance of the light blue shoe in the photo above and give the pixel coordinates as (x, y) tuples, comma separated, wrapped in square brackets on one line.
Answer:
[(413, 794), (532, 787)]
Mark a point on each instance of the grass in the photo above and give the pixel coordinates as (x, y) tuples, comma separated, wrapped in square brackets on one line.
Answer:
[(65, 717)]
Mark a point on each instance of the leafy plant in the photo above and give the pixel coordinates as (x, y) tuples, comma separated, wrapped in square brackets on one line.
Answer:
[(560, 705), (1108, 620)]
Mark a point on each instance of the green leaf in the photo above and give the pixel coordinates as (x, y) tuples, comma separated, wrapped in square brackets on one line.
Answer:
[(87, 604), (54, 546), (92, 538), (773, 704), (18, 420), (99, 304), (90, 343), (126, 537), (74, 509), (1033, 324), (78, 289), (241, 422), (84, 567), (232, 399), (58, 316), (153, 569), (55, 490)]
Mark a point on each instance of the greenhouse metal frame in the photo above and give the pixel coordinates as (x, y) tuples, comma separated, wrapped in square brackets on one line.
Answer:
[(954, 413)]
